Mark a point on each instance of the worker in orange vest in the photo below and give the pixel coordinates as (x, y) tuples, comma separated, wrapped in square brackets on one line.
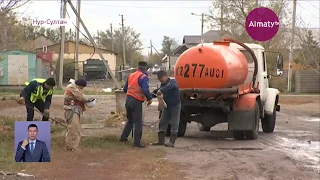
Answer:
[(137, 90)]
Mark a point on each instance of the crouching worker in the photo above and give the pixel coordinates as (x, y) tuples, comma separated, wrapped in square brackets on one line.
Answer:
[(37, 93), (171, 95), (74, 106)]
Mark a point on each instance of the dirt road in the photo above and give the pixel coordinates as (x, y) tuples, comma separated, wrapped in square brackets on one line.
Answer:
[(291, 152)]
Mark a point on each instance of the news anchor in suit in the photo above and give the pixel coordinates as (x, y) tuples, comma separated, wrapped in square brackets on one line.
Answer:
[(32, 149)]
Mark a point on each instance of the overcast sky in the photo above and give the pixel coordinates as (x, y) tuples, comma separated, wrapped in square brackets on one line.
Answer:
[(153, 19)]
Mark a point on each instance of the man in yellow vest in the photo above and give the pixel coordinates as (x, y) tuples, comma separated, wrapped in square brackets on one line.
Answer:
[(37, 93), (137, 89)]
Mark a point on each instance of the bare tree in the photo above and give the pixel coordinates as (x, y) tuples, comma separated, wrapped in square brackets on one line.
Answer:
[(133, 43), (234, 17), (307, 51), (9, 5), (9, 32), (168, 45)]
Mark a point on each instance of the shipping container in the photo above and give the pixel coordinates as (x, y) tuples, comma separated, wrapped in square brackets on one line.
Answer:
[(17, 67)]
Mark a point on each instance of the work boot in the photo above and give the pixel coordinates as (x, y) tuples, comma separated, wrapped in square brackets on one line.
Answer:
[(139, 145), (123, 140), (171, 141), (161, 137)]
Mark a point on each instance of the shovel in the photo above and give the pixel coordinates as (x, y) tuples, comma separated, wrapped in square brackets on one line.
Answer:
[(57, 120)]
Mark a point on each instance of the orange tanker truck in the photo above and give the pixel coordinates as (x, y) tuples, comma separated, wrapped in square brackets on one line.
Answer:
[(227, 82)]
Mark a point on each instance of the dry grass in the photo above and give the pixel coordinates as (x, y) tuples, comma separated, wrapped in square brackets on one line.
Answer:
[(115, 119), (298, 100)]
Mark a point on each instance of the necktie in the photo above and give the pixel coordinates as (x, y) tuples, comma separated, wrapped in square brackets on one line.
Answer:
[(32, 147)]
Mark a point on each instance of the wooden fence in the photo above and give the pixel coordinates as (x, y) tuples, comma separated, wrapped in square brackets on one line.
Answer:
[(307, 81)]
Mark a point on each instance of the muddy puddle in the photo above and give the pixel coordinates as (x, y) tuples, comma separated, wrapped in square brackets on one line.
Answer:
[(307, 152)]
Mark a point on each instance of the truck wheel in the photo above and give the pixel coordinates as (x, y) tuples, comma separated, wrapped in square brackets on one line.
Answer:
[(253, 134), (182, 125), (168, 132), (202, 128), (269, 122)]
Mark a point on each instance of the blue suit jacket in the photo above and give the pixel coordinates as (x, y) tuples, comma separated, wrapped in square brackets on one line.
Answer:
[(40, 153)]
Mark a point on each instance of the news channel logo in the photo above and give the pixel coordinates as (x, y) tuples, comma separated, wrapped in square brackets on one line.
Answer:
[(262, 24)]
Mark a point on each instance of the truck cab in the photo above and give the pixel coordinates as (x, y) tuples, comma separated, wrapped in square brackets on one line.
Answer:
[(268, 95)]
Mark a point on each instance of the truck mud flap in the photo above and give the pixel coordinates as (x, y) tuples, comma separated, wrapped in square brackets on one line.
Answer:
[(241, 120)]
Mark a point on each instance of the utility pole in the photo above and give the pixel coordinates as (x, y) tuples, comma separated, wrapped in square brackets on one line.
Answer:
[(98, 38), (63, 36), (76, 63), (202, 21), (293, 26), (95, 45), (123, 44), (112, 40), (151, 48)]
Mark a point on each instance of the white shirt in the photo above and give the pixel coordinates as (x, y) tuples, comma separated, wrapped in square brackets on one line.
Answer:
[(34, 144)]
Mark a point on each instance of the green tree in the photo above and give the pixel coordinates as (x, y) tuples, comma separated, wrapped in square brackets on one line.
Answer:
[(168, 45), (133, 43), (309, 52)]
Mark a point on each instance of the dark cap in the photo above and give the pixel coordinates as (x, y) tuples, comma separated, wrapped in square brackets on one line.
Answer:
[(50, 82), (161, 74), (81, 82), (142, 64)]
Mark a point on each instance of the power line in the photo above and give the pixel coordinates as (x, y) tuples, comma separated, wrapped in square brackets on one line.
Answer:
[(308, 10), (154, 7), (313, 5), (94, 49)]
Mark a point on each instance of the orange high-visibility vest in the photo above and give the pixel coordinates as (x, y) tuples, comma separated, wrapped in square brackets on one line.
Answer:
[(134, 89)]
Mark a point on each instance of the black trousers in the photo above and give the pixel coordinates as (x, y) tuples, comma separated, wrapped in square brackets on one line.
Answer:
[(39, 104), (134, 116)]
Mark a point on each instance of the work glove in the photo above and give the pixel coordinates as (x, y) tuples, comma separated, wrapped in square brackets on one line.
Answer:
[(149, 102), (46, 112), (21, 100), (155, 91)]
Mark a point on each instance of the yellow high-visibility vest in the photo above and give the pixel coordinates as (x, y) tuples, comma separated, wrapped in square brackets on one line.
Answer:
[(39, 93)]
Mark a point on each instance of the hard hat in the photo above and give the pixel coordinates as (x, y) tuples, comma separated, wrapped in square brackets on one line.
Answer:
[(90, 103), (71, 81)]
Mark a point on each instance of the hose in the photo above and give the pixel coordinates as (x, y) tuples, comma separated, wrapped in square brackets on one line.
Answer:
[(255, 72)]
